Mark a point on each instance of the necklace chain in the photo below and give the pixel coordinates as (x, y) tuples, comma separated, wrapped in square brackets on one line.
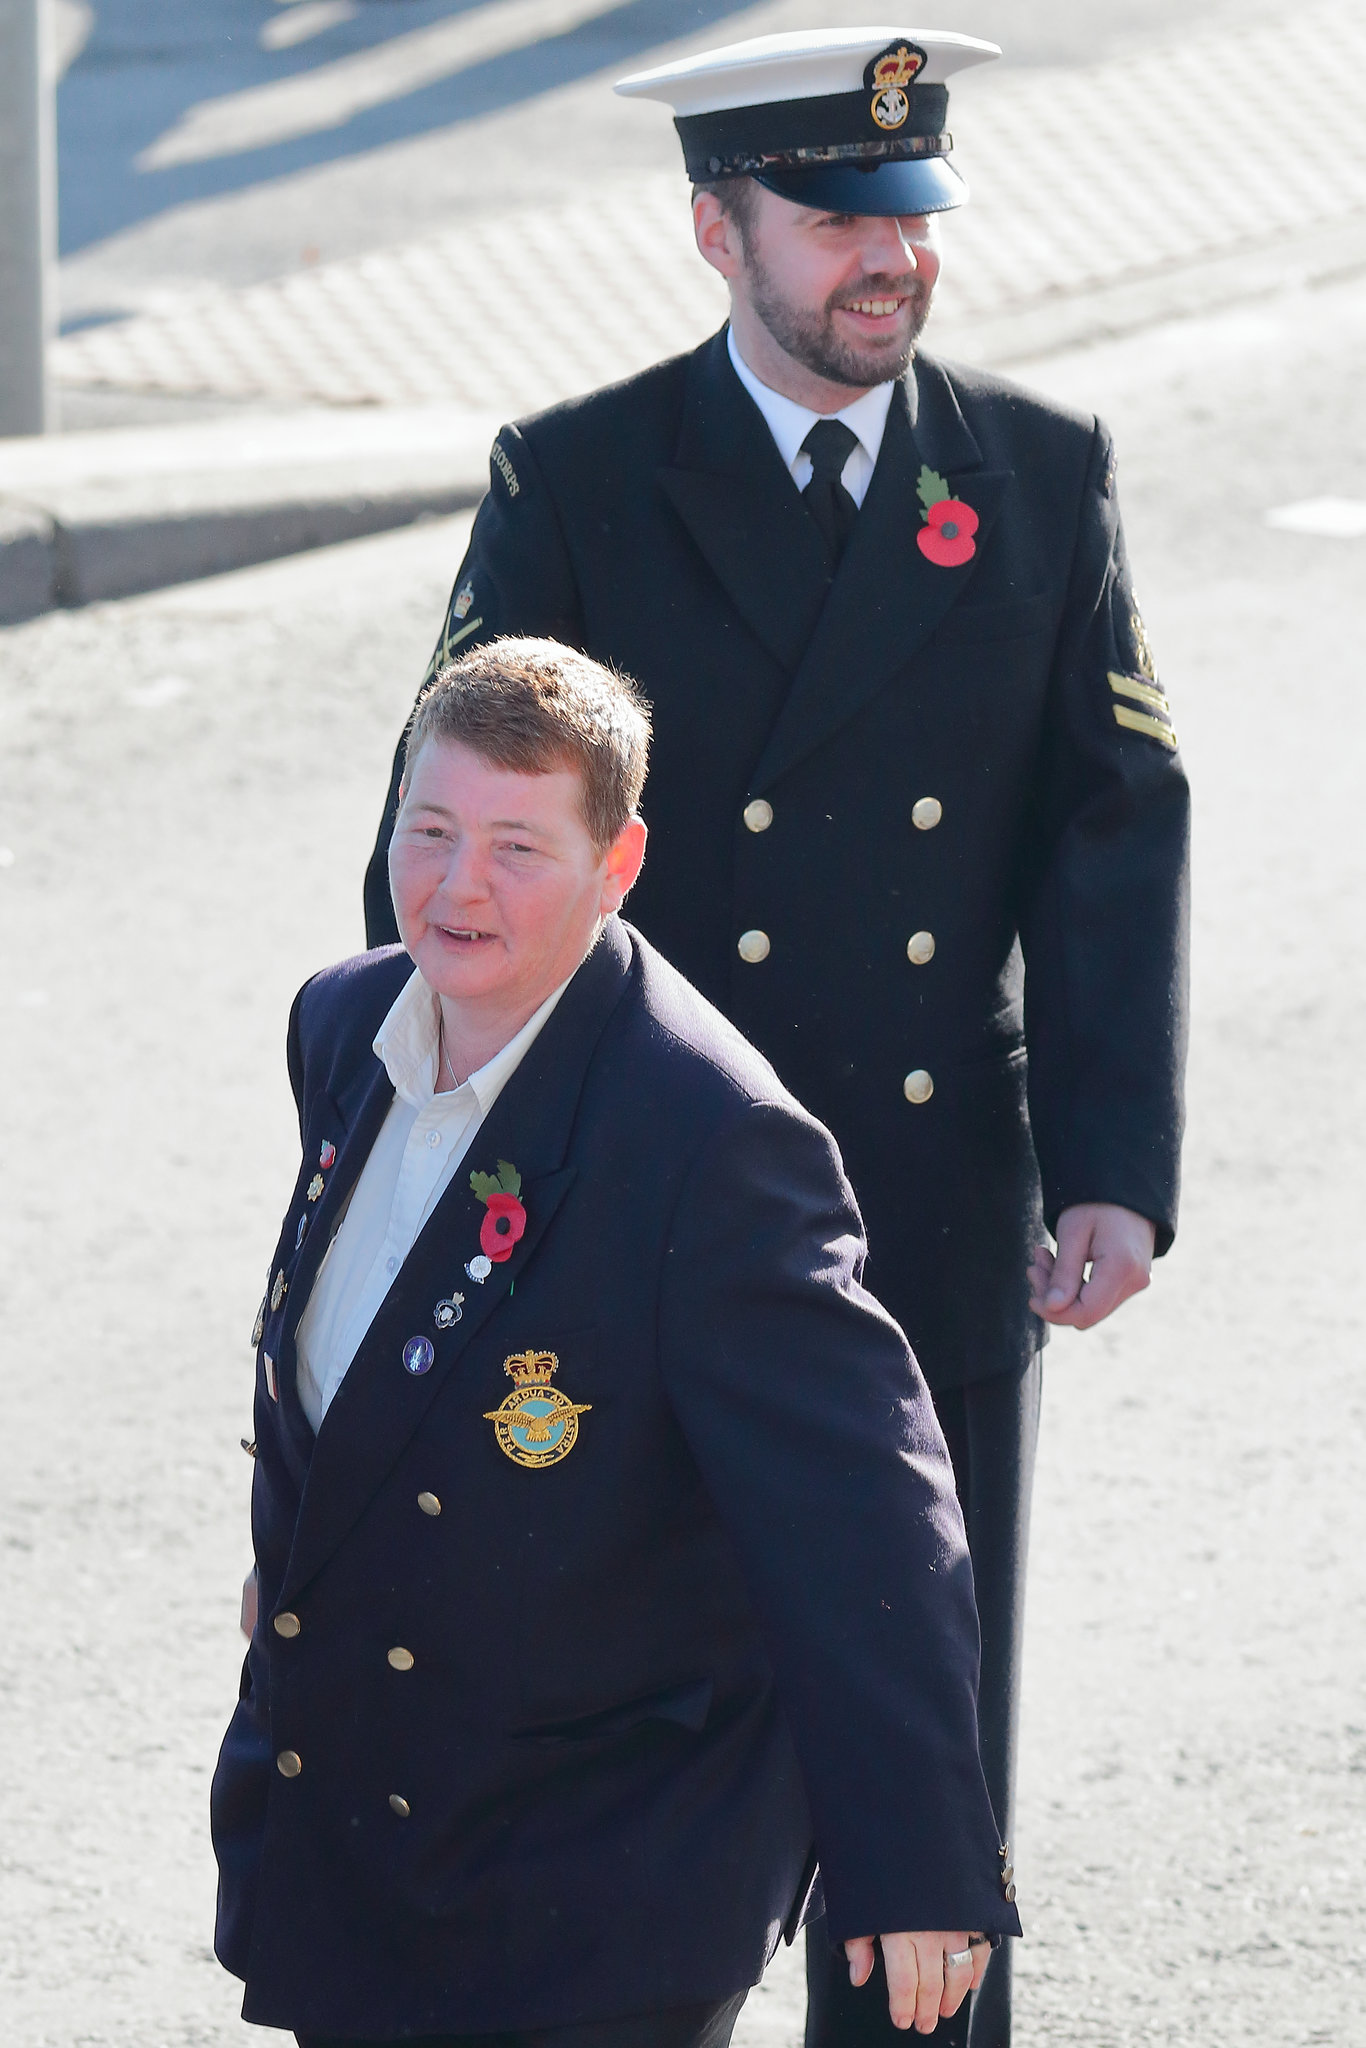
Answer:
[(445, 1060)]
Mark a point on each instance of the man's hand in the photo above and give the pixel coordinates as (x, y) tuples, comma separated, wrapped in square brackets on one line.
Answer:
[(249, 1604), (928, 1975), (1116, 1243)]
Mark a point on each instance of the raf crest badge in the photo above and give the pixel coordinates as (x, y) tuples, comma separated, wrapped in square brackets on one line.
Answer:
[(887, 78), (536, 1424)]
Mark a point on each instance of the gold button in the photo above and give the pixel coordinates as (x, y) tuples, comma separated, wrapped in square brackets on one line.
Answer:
[(1008, 1873), (920, 948), (429, 1504), (286, 1624), (289, 1763), (918, 1086), (758, 816), (1010, 1894), (399, 1805), (753, 947), (926, 813), (401, 1659)]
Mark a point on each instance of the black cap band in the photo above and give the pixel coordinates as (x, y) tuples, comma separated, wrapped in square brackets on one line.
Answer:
[(843, 127)]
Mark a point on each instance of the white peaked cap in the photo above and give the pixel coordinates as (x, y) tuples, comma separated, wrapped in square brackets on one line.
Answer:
[(804, 65), (848, 120)]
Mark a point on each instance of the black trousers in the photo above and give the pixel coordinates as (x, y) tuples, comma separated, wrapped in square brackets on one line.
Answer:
[(992, 1428), (682, 2026)]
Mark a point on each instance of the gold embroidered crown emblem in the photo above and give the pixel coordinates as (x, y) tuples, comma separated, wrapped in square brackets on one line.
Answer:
[(897, 67), (531, 1368)]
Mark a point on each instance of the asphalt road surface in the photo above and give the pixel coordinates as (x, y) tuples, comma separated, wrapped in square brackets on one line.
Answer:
[(188, 785)]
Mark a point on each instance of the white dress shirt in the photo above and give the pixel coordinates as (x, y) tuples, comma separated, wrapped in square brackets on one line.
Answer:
[(421, 1142), (790, 423)]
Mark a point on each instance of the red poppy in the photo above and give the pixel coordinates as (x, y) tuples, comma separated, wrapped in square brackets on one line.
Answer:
[(504, 1221), (946, 537)]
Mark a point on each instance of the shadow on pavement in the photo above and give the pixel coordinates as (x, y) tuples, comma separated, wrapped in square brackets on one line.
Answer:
[(149, 62)]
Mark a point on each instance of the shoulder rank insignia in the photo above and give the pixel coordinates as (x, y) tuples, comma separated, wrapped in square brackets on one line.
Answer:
[(1147, 710), (536, 1424)]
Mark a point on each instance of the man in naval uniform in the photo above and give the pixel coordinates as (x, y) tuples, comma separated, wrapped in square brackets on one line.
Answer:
[(919, 825)]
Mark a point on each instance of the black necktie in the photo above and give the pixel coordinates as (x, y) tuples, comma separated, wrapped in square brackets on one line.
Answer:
[(830, 444)]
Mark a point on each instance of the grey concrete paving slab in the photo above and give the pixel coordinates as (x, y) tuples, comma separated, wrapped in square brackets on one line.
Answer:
[(1090, 210), (188, 785)]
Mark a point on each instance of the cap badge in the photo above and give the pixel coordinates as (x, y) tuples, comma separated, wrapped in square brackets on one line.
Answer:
[(536, 1424), (887, 78), (464, 599)]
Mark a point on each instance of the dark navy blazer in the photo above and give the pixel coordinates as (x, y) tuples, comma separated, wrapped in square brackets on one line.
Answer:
[(731, 1629), (655, 525)]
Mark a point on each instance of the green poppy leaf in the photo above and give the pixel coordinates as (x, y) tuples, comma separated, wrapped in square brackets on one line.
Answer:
[(931, 488)]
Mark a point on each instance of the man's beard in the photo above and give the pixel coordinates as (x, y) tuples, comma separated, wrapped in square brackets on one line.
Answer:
[(812, 340)]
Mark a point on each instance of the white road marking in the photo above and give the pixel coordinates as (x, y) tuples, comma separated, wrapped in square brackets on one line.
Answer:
[(1330, 518)]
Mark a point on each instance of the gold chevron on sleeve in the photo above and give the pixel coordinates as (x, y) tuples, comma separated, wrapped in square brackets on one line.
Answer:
[(1142, 693), (1139, 721)]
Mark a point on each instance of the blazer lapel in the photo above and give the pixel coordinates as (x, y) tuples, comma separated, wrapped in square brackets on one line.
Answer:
[(887, 597), (733, 493), (351, 1122), (379, 1404)]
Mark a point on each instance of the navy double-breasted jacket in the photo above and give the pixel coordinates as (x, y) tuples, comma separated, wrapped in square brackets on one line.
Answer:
[(972, 756), (637, 1689)]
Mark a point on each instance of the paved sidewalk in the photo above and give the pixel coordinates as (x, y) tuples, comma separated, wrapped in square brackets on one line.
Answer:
[(1105, 196), (393, 368)]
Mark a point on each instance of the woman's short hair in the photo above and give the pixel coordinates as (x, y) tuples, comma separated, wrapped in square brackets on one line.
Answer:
[(533, 706)]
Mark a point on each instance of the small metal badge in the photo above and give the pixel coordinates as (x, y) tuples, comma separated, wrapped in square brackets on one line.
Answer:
[(272, 1384), (419, 1355), (464, 599), (327, 1154), (888, 77), (278, 1291), (258, 1328), (299, 1233), (447, 1313), (315, 1187), (537, 1424), (479, 1267)]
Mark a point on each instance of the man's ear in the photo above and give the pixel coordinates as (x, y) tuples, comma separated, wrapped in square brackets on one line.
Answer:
[(625, 858), (718, 237)]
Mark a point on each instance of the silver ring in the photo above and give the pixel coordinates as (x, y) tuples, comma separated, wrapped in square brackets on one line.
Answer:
[(956, 1961)]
